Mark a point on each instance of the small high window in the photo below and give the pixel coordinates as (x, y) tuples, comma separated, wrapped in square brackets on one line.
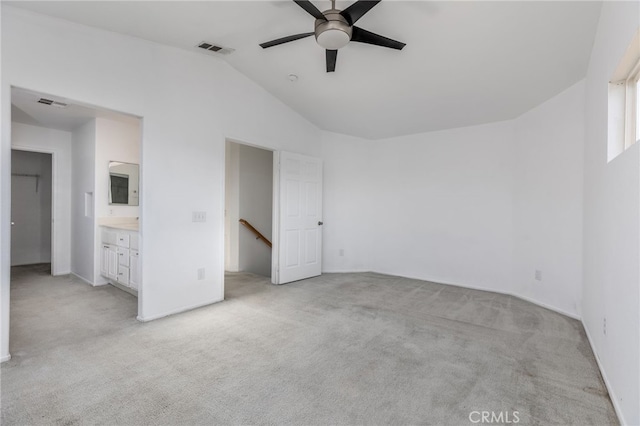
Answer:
[(624, 102)]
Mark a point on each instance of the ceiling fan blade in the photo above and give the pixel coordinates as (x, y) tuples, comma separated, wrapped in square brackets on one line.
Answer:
[(357, 10), (363, 36), (310, 8), (332, 55), (284, 40)]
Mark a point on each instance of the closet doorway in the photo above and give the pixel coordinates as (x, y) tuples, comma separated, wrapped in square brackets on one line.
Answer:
[(31, 209)]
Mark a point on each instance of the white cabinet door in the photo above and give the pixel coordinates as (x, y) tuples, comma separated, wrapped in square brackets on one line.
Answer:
[(112, 271), (104, 260), (299, 218), (134, 273)]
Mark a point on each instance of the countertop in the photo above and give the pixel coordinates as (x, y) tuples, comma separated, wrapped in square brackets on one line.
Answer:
[(124, 223), (124, 226)]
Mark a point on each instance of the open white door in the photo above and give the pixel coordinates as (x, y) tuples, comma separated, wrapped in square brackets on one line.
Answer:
[(297, 249)]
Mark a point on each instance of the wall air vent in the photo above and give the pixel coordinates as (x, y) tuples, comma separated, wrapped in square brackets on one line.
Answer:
[(52, 103), (213, 48)]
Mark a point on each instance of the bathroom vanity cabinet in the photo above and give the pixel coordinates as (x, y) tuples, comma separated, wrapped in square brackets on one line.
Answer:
[(119, 260)]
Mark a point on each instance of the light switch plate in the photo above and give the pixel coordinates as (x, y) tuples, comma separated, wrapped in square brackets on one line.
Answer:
[(199, 217)]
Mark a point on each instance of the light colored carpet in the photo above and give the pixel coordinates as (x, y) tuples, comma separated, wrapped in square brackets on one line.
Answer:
[(337, 349)]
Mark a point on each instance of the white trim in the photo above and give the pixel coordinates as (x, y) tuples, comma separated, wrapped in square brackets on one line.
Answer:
[(81, 278), (5, 358), (490, 290), (547, 306), (346, 271), (223, 227), (122, 287), (275, 220), (60, 273), (177, 311), (612, 394)]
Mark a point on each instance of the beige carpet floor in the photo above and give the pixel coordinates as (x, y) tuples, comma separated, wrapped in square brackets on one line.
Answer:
[(337, 349)]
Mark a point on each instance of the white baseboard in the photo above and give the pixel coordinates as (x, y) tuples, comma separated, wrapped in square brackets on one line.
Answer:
[(491, 290), (547, 306), (176, 311), (81, 278), (5, 358), (612, 394), (345, 271), (122, 287), (438, 281)]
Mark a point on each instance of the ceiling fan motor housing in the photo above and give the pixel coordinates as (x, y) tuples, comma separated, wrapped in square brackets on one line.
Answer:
[(333, 33)]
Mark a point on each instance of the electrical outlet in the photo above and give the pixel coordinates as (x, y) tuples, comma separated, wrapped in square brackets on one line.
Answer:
[(199, 217), (538, 275), (341, 252), (604, 326), (200, 274)]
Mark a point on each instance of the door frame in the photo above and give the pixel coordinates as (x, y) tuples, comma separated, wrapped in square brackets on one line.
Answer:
[(274, 207), (275, 225), (54, 200)]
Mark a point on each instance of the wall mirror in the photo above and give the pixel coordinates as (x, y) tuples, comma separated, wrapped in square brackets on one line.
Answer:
[(123, 184)]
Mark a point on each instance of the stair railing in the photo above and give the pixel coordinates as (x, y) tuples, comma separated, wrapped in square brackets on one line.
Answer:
[(259, 236)]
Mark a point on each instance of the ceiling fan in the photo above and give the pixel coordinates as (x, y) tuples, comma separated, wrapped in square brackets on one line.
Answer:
[(335, 29)]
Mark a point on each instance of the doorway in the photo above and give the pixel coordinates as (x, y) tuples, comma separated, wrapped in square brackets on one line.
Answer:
[(248, 211), (31, 209)]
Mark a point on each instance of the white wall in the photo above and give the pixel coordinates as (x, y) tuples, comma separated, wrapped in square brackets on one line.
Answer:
[(611, 223), (31, 208), (483, 206), (190, 103), (547, 197), (435, 206), (83, 148), (349, 204), (444, 208), (58, 143), (256, 207)]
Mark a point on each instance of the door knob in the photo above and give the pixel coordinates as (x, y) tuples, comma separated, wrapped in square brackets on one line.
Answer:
[(13, 224), (320, 223)]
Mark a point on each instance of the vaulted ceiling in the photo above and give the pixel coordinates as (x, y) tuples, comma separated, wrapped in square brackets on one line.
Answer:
[(465, 63)]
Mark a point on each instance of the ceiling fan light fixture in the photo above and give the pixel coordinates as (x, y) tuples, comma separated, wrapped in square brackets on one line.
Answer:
[(333, 39), (334, 32)]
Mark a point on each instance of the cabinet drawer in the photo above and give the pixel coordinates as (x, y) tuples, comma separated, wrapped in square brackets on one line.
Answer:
[(123, 275), (123, 256), (123, 240)]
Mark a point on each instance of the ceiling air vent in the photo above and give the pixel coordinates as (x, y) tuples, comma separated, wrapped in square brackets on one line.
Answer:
[(212, 48), (52, 103)]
